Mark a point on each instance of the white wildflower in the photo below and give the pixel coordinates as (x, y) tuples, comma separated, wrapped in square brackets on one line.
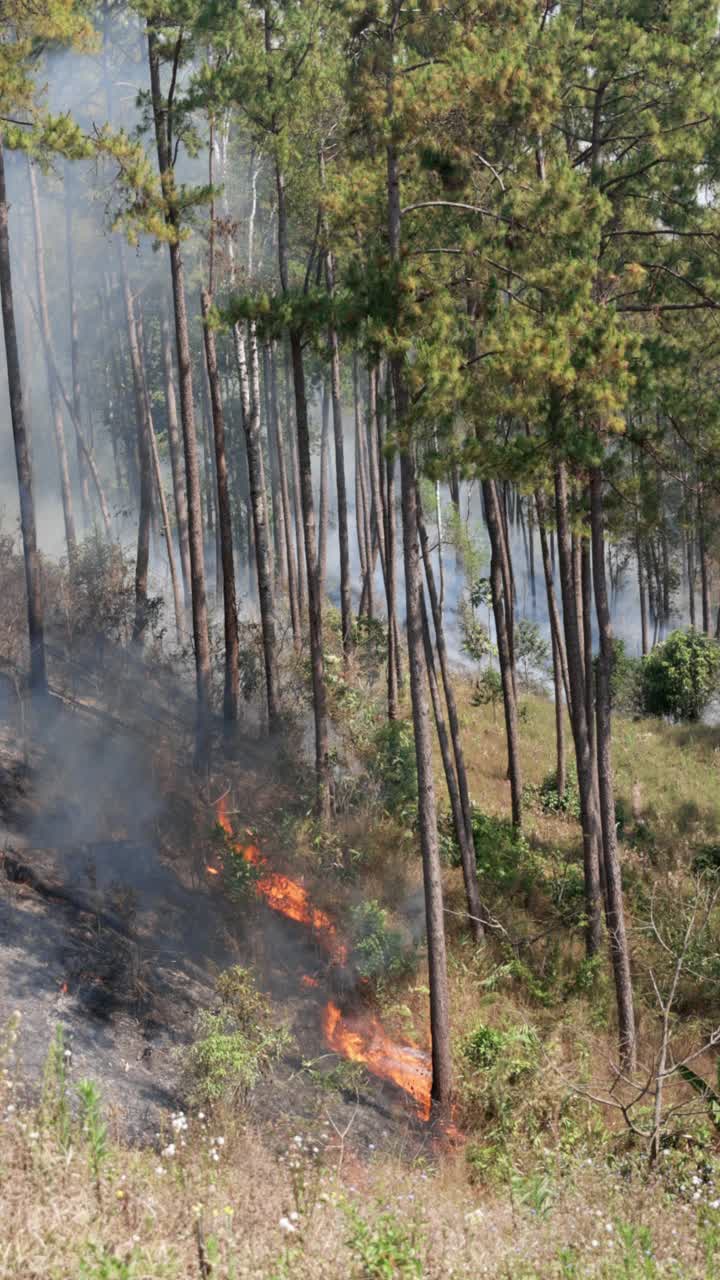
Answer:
[(287, 1226)]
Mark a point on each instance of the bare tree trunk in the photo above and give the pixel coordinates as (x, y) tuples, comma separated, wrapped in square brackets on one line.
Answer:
[(645, 647), (466, 840), (142, 558), (21, 442), (613, 881), (75, 340), (324, 507), (560, 769), (467, 851), (502, 615), (583, 755), (181, 512), (55, 409), (187, 411), (340, 480), (553, 610), (295, 613), (704, 572), (175, 585), (263, 562), (323, 774), (294, 478), (427, 813), (367, 600), (231, 695), (278, 512)]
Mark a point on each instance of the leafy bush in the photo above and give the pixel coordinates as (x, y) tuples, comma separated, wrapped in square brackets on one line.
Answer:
[(548, 799), (384, 1248), (681, 675), (234, 1045), (494, 1068), (381, 953), (488, 690), (476, 642), (394, 769), (501, 852), (626, 681), (531, 650)]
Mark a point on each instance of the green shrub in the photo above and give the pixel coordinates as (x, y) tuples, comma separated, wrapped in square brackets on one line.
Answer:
[(547, 797), (384, 1248), (234, 1045), (394, 769), (502, 853), (494, 1069), (681, 675), (626, 681), (381, 954), (488, 690)]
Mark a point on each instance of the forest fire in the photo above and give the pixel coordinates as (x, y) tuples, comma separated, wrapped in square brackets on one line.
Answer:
[(361, 1038), (286, 896)]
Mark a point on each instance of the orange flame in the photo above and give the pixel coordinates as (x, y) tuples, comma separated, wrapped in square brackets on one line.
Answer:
[(307, 981), (287, 896), (362, 1039), (212, 871)]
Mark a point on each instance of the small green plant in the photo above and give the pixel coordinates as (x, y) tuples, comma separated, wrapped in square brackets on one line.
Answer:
[(394, 769), (550, 801), (235, 1045), (94, 1129), (502, 853), (488, 691), (385, 1248), (55, 1109), (681, 675), (531, 651), (381, 953), (98, 1263)]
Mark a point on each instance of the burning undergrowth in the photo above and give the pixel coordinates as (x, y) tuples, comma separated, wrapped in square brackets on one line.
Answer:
[(113, 925)]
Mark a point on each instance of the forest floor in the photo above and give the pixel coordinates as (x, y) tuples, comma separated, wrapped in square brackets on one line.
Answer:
[(324, 1176)]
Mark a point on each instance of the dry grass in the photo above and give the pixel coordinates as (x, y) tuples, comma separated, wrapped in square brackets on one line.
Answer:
[(180, 1211)]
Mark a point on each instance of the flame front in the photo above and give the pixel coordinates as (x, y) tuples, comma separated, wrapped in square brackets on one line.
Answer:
[(362, 1039), (359, 1037), (286, 896)]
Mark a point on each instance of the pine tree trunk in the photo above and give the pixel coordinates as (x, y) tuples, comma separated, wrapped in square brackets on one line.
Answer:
[(75, 340), (167, 530), (294, 478), (498, 583), (467, 850), (323, 776), (173, 432), (278, 512), (21, 443), (427, 812), (263, 562), (324, 504), (53, 394), (644, 644), (583, 756), (231, 695), (466, 840), (187, 412), (295, 614), (142, 558), (613, 881), (704, 571), (553, 610), (340, 480)]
